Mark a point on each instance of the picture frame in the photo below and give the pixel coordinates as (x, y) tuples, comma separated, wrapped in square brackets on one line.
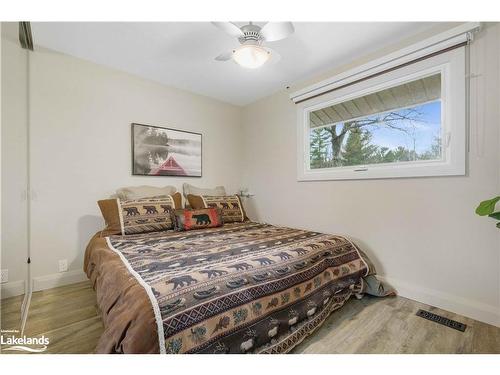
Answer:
[(161, 151)]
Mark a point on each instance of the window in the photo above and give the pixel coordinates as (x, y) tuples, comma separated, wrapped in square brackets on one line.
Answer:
[(395, 125), (409, 122)]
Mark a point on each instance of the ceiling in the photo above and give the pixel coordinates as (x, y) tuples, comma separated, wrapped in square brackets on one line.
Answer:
[(181, 54)]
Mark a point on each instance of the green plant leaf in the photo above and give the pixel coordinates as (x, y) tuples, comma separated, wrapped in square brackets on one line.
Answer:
[(498, 225), (487, 207), (495, 215)]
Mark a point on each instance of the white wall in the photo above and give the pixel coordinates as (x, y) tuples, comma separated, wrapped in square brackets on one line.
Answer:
[(81, 151), (422, 233), (14, 170)]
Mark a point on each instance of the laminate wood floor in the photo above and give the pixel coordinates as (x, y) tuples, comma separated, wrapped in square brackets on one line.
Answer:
[(68, 316)]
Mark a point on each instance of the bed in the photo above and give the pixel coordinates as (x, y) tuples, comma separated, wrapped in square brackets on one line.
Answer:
[(241, 288)]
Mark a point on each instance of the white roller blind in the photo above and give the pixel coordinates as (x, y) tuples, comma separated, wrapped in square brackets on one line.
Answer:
[(421, 50)]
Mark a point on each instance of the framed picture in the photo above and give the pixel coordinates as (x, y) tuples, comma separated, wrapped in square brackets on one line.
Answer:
[(160, 151)]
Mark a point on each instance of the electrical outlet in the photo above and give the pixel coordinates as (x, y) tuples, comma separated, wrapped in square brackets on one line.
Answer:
[(4, 275), (63, 265)]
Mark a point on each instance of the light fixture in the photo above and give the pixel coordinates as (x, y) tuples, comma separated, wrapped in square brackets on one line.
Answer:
[(251, 56)]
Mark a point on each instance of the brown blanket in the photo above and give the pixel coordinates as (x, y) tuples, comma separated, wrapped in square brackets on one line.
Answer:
[(243, 287)]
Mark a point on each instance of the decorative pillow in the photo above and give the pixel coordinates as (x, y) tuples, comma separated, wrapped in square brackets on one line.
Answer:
[(144, 191), (191, 189), (138, 215), (230, 206), (109, 211), (196, 219)]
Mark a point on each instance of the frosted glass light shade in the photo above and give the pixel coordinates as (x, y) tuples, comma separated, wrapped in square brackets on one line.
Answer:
[(250, 56)]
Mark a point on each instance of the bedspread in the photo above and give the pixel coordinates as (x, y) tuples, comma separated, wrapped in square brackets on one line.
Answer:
[(241, 288)]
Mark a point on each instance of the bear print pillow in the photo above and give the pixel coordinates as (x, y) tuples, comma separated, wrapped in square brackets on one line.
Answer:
[(229, 205), (146, 214), (196, 219)]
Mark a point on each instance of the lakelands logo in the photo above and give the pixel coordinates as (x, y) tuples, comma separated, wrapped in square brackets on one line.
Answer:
[(10, 341)]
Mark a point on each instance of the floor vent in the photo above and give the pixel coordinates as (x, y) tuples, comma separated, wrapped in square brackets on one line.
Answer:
[(441, 320)]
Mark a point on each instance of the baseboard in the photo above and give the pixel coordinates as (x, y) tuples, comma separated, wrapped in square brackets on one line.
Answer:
[(58, 279), (12, 289), (16, 288), (469, 308)]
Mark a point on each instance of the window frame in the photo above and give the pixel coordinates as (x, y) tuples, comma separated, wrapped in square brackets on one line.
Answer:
[(451, 65)]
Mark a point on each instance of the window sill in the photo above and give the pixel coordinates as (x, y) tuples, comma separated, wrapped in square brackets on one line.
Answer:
[(359, 172)]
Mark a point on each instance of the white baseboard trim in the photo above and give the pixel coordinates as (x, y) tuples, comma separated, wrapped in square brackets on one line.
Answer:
[(12, 289), (17, 288), (58, 279), (469, 308)]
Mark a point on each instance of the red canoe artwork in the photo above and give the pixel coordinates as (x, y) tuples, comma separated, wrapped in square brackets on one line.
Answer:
[(170, 168), (165, 152)]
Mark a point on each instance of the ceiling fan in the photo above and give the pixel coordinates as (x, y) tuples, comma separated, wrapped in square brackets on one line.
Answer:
[(251, 54)]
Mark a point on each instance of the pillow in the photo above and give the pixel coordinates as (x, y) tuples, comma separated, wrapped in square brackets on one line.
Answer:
[(109, 211), (144, 191), (191, 189), (196, 219), (138, 215), (230, 206)]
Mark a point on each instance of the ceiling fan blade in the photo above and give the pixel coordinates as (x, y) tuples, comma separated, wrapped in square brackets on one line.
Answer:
[(225, 56), (273, 31), (229, 28)]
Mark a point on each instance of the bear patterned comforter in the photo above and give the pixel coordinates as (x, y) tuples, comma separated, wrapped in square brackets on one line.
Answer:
[(241, 288)]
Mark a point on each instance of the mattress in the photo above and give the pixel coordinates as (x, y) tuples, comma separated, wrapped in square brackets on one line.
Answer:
[(241, 288)]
